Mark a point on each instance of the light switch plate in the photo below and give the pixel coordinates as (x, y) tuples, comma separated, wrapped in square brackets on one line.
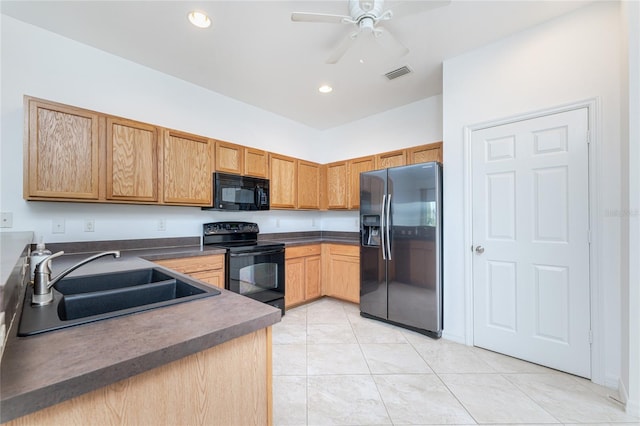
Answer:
[(6, 220)]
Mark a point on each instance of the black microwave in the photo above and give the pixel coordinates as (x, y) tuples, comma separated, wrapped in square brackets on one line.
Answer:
[(235, 192)]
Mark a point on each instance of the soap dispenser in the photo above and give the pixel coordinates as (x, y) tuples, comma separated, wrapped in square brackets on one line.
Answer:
[(37, 256)]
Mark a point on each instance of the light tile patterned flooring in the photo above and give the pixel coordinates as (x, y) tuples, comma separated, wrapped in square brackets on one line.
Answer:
[(333, 367)]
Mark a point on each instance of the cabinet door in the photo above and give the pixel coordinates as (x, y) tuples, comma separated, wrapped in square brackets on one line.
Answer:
[(357, 166), (215, 278), (337, 193), (256, 163), (342, 272), (391, 159), (308, 185), (313, 277), (425, 153), (132, 160), (61, 151), (229, 157), (294, 281), (284, 171), (187, 169)]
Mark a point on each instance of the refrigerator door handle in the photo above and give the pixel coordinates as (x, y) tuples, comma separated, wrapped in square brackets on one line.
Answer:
[(388, 215), (382, 246)]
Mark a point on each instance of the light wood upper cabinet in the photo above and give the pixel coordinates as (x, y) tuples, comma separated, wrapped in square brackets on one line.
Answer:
[(229, 157), (283, 179), (337, 185), (187, 169), (308, 185), (256, 162), (61, 151), (391, 159), (132, 160), (425, 153), (357, 166)]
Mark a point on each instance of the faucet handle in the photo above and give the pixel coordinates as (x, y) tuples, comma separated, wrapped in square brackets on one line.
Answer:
[(45, 264)]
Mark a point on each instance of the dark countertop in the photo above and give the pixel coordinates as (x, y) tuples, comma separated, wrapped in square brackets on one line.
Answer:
[(43, 370)]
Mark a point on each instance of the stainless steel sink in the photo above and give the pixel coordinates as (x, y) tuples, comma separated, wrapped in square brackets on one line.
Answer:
[(79, 300)]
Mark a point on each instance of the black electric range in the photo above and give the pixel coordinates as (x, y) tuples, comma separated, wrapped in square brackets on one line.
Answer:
[(253, 268)]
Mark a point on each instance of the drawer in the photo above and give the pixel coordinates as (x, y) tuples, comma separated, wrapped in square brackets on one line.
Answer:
[(302, 251), (344, 250), (188, 265)]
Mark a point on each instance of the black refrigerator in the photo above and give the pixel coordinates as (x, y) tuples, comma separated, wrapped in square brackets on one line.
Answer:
[(401, 246)]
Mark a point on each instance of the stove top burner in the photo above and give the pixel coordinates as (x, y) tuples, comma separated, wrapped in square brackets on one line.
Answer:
[(236, 236)]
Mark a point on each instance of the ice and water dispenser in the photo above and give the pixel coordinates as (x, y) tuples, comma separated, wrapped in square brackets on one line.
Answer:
[(370, 230)]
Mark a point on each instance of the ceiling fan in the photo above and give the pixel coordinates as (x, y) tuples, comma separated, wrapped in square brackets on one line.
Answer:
[(366, 16)]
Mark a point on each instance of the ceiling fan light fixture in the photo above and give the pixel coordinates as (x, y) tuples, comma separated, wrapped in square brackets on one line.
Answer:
[(199, 19), (325, 88)]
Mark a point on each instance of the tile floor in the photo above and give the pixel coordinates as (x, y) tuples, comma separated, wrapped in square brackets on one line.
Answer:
[(333, 367)]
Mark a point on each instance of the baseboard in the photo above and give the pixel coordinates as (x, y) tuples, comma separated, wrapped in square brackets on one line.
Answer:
[(631, 407), (453, 337)]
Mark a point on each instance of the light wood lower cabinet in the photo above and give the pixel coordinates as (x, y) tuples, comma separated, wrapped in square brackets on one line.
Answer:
[(209, 269), (228, 384), (341, 271), (303, 279)]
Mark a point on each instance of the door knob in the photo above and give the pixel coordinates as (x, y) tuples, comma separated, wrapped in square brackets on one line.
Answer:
[(479, 249)]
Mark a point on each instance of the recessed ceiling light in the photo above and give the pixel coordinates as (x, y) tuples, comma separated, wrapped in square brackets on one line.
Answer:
[(325, 88), (199, 19)]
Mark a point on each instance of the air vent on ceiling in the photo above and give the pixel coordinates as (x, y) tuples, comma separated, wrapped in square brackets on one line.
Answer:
[(398, 73)]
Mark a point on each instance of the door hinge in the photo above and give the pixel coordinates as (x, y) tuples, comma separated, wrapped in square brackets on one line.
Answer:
[(589, 236), (590, 337), (588, 137)]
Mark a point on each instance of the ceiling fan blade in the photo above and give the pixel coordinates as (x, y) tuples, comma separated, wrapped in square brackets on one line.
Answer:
[(406, 8), (345, 45), (320, 17), (391, 45)]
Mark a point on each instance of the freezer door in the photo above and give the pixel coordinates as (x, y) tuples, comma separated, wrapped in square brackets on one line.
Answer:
[(373, 272), (414, 288)]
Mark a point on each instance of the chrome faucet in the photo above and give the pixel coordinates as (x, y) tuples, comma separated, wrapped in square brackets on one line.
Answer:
[(42, 283)]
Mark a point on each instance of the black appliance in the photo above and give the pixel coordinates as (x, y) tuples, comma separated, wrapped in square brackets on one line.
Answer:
[(401, 246), (235, 192), (253, 268)]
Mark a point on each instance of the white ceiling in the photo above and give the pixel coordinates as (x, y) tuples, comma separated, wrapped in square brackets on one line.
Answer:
[(255, 54)]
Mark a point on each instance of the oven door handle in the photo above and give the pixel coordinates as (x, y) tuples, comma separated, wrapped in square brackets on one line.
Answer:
[(256, 253)]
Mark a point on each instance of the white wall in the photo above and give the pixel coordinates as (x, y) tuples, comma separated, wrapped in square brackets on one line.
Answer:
[(42, 64), (569, 59), (415, 124)]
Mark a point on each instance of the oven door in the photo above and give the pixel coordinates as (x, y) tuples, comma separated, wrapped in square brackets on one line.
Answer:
[(258, 273)]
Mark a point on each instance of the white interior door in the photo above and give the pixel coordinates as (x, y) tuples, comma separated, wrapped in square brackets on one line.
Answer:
[(531, 240)]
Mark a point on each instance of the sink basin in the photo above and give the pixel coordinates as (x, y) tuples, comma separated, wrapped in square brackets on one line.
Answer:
[(79, 300)]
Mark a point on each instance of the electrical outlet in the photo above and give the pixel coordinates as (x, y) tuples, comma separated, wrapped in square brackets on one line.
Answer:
[(162, 225), (58, 226), (89, 225), (6, 220)]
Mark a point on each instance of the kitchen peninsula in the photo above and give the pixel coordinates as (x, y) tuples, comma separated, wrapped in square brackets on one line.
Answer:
[(206, 361)]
